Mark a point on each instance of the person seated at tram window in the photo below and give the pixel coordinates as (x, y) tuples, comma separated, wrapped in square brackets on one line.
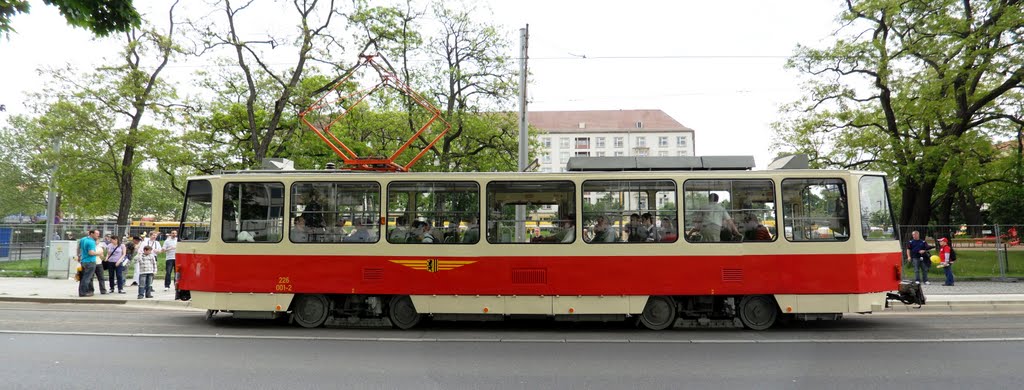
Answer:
[(753, 230), (299, 232), (337, 232), (648, 227), (566, 234), (436, 230), (421, 233), (472, 234), (633, 229), (602, 231), (362, 232), (451, 233), (667, 230), (400, 234)]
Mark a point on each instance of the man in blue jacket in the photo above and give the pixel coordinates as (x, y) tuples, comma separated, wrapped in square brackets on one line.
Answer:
[(87, 255), (917, 251)]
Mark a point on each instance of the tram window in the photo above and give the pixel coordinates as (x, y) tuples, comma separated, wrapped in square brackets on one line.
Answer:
[(335, 212), (875, 217), (739, 210), (253, 212), (555, 224), (815, 210), (428, 212), (629, 211), (195, 220)]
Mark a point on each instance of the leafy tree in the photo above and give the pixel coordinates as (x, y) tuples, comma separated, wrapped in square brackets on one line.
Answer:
[(102, 17), (99, 117), (910, 91), (268, 94)]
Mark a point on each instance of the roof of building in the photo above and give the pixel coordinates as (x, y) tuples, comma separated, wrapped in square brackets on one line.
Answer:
[(594, 121)]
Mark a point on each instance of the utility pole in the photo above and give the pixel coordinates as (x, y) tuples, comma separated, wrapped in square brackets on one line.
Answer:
[(524, 141), (51, 207)]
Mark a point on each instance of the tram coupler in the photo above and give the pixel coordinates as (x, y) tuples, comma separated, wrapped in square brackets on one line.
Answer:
[(910, 293)]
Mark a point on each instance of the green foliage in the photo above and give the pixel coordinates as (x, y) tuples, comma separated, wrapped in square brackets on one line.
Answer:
[(918, 89), (102, 17)]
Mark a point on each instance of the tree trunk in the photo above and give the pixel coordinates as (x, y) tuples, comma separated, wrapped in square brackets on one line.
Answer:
[(125, 186), (917, 200)]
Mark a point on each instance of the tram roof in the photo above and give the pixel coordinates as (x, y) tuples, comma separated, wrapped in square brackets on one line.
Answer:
[(321, 173)]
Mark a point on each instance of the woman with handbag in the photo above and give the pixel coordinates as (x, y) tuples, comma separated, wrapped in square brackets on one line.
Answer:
[(114, 264)]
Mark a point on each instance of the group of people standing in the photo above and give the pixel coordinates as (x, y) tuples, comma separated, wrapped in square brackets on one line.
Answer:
[(106, 259), (920, 258)]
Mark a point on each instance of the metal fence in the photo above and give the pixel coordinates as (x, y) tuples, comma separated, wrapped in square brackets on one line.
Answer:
[(27, 241), (983, 251)]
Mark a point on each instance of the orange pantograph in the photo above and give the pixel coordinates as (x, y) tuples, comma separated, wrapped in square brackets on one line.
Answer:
[(387, 79)]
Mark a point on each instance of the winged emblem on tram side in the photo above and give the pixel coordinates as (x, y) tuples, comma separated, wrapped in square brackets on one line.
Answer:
[(433, 265)]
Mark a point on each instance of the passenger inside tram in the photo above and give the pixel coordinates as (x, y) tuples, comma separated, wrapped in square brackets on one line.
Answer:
[(472, 234), (299, 231), (363, 232), (753, 230), (400, 234)]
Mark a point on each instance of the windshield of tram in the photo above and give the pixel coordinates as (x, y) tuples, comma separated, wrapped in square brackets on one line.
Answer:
[(875, 215), (195, 219)]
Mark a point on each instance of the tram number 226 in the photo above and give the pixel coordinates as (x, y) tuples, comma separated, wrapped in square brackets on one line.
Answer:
[(284, 284)]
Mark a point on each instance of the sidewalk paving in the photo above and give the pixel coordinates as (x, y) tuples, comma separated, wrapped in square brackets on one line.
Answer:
[(964, 296), (66, 291)]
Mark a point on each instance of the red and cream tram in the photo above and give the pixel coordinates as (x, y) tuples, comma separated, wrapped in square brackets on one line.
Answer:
[(680, 241)]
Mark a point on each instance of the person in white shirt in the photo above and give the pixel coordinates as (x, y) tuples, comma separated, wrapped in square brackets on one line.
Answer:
[(169, 247)]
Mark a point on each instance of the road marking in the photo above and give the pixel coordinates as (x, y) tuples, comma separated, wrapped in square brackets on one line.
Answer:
[(520, 340)]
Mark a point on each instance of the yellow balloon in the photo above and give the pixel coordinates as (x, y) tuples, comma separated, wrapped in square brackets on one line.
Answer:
[(936, 259)]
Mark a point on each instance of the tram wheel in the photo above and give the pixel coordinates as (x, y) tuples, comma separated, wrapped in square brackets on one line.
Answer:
[(758, 312), (310, 311), (403, 313), (659, 313)]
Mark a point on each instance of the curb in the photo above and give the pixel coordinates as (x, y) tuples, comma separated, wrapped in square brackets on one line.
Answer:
[(98, 301)]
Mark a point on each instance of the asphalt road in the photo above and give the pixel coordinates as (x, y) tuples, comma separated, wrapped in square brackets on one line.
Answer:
[(113, 347)]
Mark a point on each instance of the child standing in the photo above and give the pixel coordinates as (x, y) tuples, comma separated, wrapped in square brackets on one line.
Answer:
[(146, 263), (947, 261)]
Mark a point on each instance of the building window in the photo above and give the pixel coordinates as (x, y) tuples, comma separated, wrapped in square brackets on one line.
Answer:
[(582, 154), (681, 141), (546, 158), (641, 141), (682, 153), (622, 211), (618, 142), (639, 125), (599, 142), (434, 212), (563, 142), (663, 142), (599, 154), (563, 157), (815, 210), (729, 210), (546, 141), (582, 142), (253, 212), (335, 212), (662, 153), (618, 153)]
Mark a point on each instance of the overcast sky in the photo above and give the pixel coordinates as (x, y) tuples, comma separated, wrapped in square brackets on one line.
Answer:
[(716, 67)]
